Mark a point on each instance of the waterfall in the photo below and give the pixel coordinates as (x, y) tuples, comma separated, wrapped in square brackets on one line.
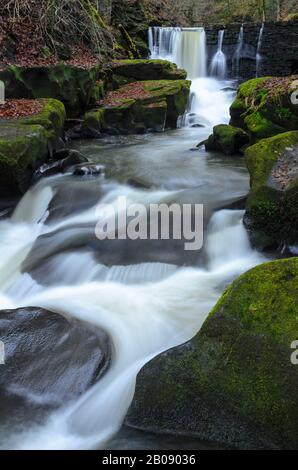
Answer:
[(186, 47), (219, 61), (238, 52), (258, 55)]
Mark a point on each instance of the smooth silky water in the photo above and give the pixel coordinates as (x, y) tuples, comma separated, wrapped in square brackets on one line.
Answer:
[(148, 297)]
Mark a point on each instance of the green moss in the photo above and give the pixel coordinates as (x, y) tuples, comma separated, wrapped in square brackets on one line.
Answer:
[(284, 113), (293, 17), (263, 107), (148, 69), (21, 148), (71, 85), (261, 157), (51, 118), (260, 127), (248, 89), (227, 139), (142, 106), (93, 122), (97, 92), (272, 213), (24, 144)]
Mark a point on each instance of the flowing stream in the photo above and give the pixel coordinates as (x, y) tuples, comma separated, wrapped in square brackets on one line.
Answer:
[(147, 296)]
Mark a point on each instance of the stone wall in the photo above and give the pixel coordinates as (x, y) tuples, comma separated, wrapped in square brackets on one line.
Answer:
[(279, 50)]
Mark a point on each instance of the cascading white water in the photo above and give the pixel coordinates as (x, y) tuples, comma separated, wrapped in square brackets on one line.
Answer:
[(259, 46), (145, 308), (219, 62), (238, 52), (186, 47)]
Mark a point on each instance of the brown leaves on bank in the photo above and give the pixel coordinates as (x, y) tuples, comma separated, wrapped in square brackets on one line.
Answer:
[(277, 85), (132, 91), (19, 108)]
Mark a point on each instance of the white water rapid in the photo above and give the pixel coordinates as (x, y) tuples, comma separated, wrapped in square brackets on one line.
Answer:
[(147, 301), (219, 61)]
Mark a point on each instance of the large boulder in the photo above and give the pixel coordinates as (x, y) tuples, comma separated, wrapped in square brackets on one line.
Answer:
[(227, 139), (272, 205), (75, 87), (25, 142), (139, 107), (49, 361), (234, 383), (265, 107)]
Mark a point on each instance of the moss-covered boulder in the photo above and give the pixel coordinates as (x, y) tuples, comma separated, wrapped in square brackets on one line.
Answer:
[(272, 205), (151, 69), (139, 107), (75, 87), (26, 142), (234, 383), (264, 107), (227, 139)]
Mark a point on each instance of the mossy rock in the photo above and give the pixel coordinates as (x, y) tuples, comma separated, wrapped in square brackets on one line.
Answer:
[(150, 69), (25, 143), (272, 205), (263, 107), (149, 106), (73, 86), (51, 118), (227, 139), (234, 383)]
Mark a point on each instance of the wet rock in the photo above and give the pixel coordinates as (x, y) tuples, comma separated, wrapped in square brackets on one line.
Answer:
[(263, 107), (26, 142), (227, 139), (139, 107), (234, 383), (49, 361), (66, 83), (148, 69)]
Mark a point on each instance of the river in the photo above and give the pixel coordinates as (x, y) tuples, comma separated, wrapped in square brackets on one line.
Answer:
[(148, 296)]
